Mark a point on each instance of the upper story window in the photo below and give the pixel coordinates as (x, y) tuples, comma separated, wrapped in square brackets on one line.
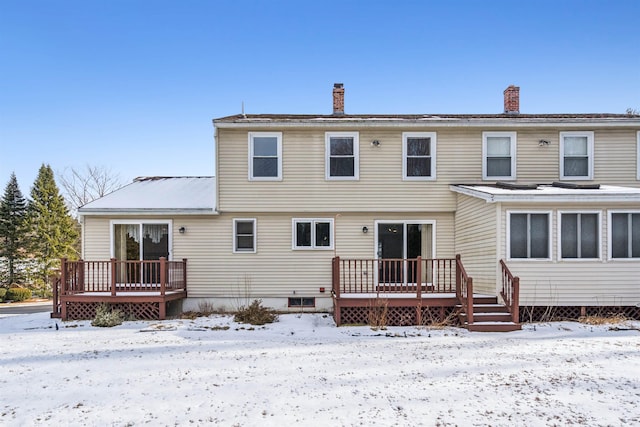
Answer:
[(312, 233), (342, 159), (579, 235), (418, 155), (498, 155), (624, 232), (576, 155), (529, 235), (265, 156), (244, 235)]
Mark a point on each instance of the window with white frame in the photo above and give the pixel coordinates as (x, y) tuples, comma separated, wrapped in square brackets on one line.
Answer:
[(418, 155), (265, 156), (624, 232), (312, 233), (579, 235), (244, 235), (498, 155), (529, 235), (342, 159), (576, 155)]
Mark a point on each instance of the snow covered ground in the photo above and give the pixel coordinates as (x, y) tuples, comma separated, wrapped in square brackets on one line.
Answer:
[(305, 371)]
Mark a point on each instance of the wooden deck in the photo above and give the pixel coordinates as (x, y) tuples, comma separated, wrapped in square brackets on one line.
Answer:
[(418, 292), (141, 289)]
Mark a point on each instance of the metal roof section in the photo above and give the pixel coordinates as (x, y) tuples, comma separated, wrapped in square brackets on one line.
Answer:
[(553, 193), (187, 195), (576, 121)]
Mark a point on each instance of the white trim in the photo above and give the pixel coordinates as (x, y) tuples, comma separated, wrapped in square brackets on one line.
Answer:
[(610, 213), (278, 136), (432, 155), (356, 156), (512, 148), (638, 156), (590, 139), (559, 235), (313, 222), (549, 214), (255, 236), (548, 193), (140, 222)]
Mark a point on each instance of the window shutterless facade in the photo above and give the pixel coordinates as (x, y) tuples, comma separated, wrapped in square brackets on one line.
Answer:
[(312, 233), (265, 156), (498, 155), (579, 235), (342, 156), (529, 235), (418, 155), (244, 235), (576, 155), (624, 234)]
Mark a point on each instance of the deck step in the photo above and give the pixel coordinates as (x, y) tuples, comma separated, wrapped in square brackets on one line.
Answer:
[(488, 317), (493, 327)]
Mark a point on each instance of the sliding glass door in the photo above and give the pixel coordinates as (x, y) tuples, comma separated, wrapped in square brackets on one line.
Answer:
[(135, 241), (398, 241)]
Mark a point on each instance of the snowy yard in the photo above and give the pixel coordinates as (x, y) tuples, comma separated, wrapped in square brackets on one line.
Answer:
[(305, 371)]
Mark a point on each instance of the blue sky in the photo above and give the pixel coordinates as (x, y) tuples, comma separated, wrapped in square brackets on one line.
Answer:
[(133, 85)]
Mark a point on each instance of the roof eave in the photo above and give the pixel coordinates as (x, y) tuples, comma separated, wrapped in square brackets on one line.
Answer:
[(154, 212), (548, 198), (427, 123)]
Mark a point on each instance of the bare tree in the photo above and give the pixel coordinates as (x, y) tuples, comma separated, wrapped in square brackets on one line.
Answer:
[(633, 111), (81, 186)]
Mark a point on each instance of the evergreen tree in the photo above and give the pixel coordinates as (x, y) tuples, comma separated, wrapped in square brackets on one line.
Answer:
[(13, 229), (54, 232)]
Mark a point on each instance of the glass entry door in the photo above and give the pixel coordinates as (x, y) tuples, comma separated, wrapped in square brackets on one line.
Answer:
[(135, 242), (401, 241)]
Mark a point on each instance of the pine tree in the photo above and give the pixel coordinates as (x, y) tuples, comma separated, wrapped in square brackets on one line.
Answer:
[(13, 229), (54, 232)]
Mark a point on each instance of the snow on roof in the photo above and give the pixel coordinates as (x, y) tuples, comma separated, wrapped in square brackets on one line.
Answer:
[(158, 195), (549, 193)]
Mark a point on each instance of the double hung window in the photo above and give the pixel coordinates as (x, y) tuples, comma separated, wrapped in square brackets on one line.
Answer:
[(244, 235), (265, 156), (418, 155), (499, 155), (624, 234), (576, 155), (342, 159)]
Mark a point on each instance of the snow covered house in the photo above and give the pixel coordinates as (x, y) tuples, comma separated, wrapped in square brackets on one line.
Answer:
[(504, 216)]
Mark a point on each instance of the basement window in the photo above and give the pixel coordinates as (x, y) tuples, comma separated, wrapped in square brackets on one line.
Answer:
[(302, 302)]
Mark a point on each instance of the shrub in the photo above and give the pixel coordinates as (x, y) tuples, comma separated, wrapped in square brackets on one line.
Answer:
[(3, 292), (255, 314), (18, 294), (107, 317)]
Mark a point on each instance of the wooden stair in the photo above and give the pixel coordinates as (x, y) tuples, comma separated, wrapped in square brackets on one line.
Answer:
[(489, 316)]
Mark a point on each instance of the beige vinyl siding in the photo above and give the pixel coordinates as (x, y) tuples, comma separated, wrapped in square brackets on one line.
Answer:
[(275, 270), (476, 235), (381, 188), (561, 282)]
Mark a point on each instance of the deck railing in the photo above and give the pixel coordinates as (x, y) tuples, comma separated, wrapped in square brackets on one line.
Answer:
[(115, 276), (510, 292), (394, 276), (464, 289)]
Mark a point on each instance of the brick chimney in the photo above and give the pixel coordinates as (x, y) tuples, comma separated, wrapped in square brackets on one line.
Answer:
[(512, 100), (338, 98)]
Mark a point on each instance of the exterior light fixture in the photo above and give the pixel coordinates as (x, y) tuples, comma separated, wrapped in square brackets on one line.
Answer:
[(181, 230), (375, 143), (365, 229), (543, 142)]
